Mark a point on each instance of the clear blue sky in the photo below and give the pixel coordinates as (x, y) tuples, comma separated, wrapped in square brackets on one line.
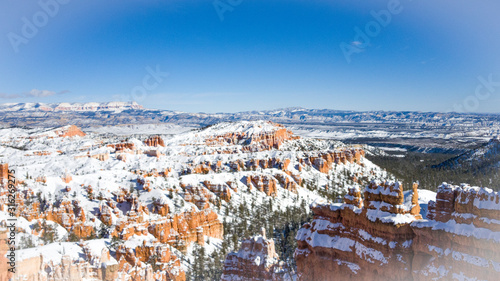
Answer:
[(238, 55)]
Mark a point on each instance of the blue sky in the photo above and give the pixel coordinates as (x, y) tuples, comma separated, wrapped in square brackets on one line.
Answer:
[(237, 55)]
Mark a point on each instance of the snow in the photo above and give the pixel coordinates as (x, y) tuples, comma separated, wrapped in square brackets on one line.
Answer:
[(164, 129), (183, 146), (464, 257), (53, 252), (367, 236), (424, 196), (320, 225), (316, 239), (385, 190), (136, 240), (452, 226), (370, 254), (386, 217)]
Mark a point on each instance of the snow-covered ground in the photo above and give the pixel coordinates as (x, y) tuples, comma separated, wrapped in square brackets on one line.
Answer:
[(41, 160)]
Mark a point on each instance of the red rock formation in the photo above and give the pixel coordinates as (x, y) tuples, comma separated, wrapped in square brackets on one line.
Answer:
[(198, 195), (39, 153), (160, 207), (67, 178), (345, 242), (221, 190), (106, 214), (41, 179), (415, 207), (184, 227), (264, 183), (462, 239), (324, 161), (70, 131), (119, 147), (386, 239), (4, 173), (154, 141), (353, 197), (68, 214), (256, 260), (254, 142), (286, 183), (166, 265)]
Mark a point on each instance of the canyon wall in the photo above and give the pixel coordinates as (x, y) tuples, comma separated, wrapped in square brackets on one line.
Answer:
[(461, 239), (383, 237)]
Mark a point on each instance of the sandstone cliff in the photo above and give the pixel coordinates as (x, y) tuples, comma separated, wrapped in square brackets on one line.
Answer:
[(383, 237), (461, 239)]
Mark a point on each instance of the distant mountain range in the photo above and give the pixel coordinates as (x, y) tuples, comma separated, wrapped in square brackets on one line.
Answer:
[(422, 131), (75, 107)]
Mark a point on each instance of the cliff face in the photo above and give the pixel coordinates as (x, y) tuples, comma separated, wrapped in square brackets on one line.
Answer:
[(462, 238), (384, 238), (182, 229), (255, 141), (367, 241), (256, 260)]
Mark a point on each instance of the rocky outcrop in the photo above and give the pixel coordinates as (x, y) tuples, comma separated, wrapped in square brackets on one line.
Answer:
[(123, 146), (69, 214), (263, 183), (363, 240), (256, 260), (221, 190), (198, 195), (287, 183), (160, 206), (67, 178), (254, 141), (69, 131), (179, 230), (383, 237), (4, 173), (461, 239), (165, 265), (100, 156), (324, 160), (154, 141)]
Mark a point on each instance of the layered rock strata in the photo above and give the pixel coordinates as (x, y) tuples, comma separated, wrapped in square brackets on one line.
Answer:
[(461, 238), (383, 237)]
